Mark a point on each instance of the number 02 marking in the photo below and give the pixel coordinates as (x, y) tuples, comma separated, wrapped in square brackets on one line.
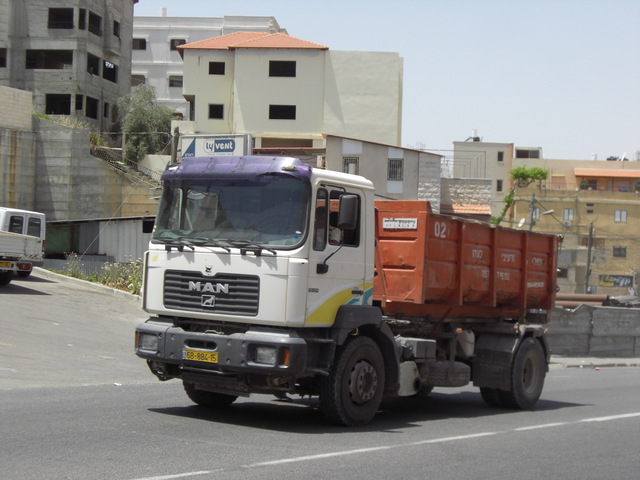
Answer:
[(440, 229)]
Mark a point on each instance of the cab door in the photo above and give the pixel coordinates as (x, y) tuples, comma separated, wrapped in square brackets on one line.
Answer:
[(336, 258)]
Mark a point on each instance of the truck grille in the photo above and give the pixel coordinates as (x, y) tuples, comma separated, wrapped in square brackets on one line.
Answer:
[(222, 293)]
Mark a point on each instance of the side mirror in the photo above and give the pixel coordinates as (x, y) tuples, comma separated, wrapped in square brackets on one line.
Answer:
[(348, 212)]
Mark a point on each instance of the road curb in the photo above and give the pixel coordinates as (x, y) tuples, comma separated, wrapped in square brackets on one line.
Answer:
[(96, 286)]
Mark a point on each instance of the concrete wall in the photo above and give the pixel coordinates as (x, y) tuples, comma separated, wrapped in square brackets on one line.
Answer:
[(71, 184), (595, 331)]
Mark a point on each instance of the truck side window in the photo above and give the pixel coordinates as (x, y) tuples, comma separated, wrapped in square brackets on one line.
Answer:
[(15, 224), (33, 227), (337, 236), (320, 223)]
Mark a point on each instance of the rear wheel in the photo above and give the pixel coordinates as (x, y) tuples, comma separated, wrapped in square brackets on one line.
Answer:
[(205, 398), (5, 278), (352, 393), (528, 372), (24, 273)]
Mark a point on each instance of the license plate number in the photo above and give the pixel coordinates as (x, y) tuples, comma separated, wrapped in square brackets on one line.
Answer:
[(6, 265), (198, 356)]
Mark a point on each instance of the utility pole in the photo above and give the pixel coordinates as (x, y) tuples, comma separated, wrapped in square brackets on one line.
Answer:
[(589, 249), (532, 206)]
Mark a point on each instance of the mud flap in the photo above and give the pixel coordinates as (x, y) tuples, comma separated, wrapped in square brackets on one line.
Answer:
[(492, 363)]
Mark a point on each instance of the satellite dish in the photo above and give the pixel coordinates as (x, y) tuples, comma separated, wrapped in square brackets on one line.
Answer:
[(521, 222)]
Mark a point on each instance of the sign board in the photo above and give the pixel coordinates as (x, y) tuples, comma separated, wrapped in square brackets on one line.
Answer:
[(400, 223), (215, 145)]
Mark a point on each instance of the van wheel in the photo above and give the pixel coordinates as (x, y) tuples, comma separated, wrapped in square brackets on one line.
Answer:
[(352, 392), (208, 399), (528, 371)]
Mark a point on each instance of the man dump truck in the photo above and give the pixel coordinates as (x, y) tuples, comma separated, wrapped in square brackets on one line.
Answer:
[(265, 275)]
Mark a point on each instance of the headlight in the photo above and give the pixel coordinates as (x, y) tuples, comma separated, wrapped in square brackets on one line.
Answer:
[(148, 342), (266, 355)]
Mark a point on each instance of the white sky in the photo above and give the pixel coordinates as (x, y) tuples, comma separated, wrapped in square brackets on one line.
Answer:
[(563, 75)]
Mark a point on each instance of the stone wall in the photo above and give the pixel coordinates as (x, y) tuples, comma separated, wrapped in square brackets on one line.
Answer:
[(595, 332)]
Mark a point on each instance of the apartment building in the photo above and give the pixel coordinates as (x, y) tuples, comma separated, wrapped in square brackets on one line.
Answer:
[(74, 55), (595, 206), (288, 92), (155, 57)]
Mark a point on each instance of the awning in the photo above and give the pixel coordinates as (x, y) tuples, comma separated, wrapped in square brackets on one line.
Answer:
[(605, 172)]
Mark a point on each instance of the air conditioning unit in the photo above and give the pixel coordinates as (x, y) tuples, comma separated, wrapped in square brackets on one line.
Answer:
[(566, 223)]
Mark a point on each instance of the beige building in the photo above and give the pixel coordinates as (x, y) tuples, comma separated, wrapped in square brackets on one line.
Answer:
[(288, 92), (595, 205)]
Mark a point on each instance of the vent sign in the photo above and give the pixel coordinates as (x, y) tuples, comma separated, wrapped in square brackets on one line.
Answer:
[(211, 145)]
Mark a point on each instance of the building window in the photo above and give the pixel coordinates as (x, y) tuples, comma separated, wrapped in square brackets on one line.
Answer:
[(282, 112), (60, 18), (105, 110), (394, 169), (116, 29), (498, 185), (137, 80), (92, 107), (79, 102), (49, 59), (279, 68), (620, 216), (93, 64), (619, 251), (82, 19), (57, 104), (350, 165), (95, 24), (139, 44), (216, 111), (175, 81), (567, 214), (216, 68), (3, 58), (110, 71), (563, 273), (175, 42), (501, 156)]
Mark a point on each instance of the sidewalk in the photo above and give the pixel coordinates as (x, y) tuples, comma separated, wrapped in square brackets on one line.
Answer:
[(558, 361)]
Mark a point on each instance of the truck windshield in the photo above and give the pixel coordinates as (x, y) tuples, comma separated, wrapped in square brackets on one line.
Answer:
[(266, 210)]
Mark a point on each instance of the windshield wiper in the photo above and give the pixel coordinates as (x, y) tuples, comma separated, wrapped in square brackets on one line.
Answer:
[(179, 243), (248, 246)]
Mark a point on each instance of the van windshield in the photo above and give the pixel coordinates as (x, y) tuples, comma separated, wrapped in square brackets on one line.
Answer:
[(266, 210)]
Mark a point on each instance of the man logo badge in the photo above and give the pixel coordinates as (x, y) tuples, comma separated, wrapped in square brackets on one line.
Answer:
[(208, 301)]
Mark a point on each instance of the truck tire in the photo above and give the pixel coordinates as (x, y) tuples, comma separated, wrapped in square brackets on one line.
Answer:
[(208, 399), (24, 273), (352, 392), (448, 374), (528, 371), (5, 278)]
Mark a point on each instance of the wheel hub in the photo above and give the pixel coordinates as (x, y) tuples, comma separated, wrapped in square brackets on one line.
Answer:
[(363, 383)]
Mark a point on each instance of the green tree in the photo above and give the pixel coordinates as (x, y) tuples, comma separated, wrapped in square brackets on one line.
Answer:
[(521, 177), (146, 124)]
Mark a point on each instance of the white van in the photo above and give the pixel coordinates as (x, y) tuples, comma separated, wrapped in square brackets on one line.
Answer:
[(25, 222)]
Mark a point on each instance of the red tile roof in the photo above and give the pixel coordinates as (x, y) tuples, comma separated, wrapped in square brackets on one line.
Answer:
[(251, 40), (605, 172), (459, 209)]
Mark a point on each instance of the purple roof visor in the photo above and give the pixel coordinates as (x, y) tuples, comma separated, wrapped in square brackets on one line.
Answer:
[(233, 167)]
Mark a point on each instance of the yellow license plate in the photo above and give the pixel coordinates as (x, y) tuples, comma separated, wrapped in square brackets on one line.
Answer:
[(198, 356), (6, 265)]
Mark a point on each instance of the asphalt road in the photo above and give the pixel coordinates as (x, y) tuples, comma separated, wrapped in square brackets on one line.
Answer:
[(75, 403)]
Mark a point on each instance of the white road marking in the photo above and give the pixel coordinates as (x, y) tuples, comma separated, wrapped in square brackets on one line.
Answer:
[(357, 451)]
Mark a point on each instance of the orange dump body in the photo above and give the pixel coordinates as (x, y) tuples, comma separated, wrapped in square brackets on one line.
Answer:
[(443, 266)]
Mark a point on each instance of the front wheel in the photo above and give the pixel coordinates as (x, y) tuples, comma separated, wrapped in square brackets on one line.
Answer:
[(352, 393), (5, 278), (208, 399), (528, 372)]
